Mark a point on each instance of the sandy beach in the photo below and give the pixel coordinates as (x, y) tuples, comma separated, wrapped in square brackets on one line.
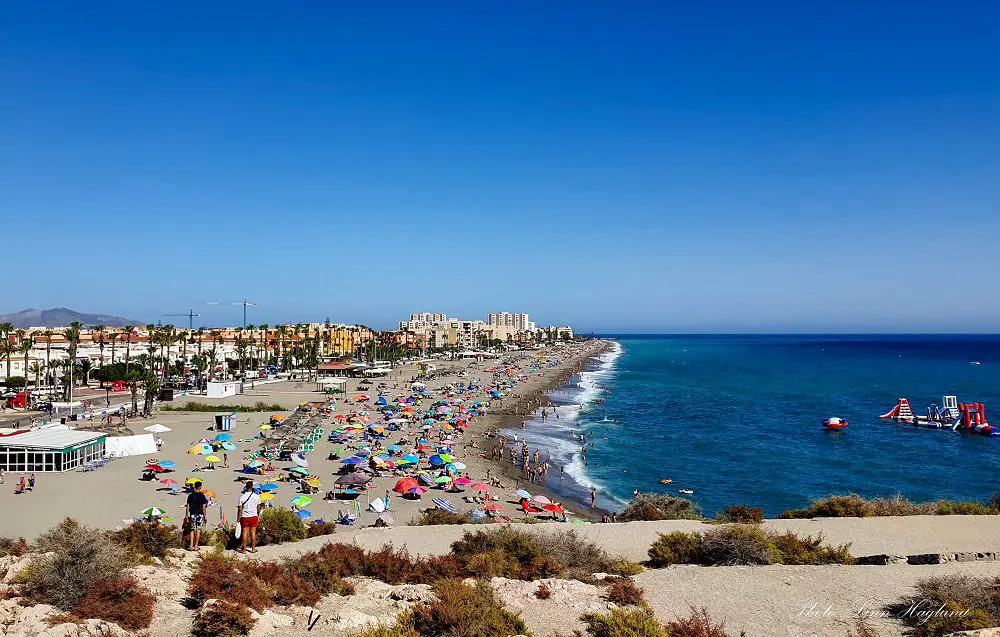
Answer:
[(113, 495)]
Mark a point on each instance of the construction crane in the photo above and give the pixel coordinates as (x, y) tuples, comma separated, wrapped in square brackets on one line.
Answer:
[(245, 303), (190, 314)]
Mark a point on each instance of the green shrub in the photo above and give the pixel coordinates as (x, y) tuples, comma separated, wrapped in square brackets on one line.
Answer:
[(855, 506), (792, 549), (676, 547), (946, 507), (279, 525), (118, 600), (80, 556), (148, 539), (740, 514), (439, 516), (194, 405), (736, 544), (660, 506), (504, 552), (223, 619), (624, 622), (465, 610), (954, 619)]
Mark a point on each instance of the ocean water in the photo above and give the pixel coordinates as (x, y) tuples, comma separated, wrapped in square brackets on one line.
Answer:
[(737, 419)]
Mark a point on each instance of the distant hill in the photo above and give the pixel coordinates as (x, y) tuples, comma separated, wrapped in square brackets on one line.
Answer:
[(61, 317)]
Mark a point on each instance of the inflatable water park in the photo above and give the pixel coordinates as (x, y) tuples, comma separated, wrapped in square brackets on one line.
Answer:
[(951, 414)]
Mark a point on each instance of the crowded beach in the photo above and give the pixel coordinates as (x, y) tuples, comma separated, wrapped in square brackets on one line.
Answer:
[(369, 453)]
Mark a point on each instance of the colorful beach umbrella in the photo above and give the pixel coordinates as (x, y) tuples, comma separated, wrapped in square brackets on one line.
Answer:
[(270, 486), (479, 486), (224, 437), (521, 493), (301, 501), (212, 459), (441, 503), (303, 514), (153, 511), (167, 464), (416, 491), (300, 460), (228, 446)]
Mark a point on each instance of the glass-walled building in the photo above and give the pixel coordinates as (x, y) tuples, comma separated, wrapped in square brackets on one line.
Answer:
[(48, 450)]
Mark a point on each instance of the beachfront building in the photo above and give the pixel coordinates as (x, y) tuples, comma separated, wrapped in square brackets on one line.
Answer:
[(520, 322), (49, 450)]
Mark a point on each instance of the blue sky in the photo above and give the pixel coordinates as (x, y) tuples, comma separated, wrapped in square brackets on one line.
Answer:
[(637, 166)]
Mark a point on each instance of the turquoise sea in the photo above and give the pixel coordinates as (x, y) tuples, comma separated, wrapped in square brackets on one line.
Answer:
[(737, 419)]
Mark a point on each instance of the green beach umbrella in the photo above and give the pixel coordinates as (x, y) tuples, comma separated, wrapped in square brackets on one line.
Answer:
[(153, 511), (302, 501)]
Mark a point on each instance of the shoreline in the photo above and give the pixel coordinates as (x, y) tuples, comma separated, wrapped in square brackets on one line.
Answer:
[(527, 398)]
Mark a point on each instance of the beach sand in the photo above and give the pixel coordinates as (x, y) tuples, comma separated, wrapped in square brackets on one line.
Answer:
[(112, 495)]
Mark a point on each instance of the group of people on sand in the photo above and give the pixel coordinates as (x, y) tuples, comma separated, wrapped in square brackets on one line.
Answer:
[(24, 483)]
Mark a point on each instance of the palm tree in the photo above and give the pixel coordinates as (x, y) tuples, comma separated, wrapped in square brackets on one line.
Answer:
[(98, 331), (129, 329), (216, 339), (114, 337), (36, 369), (72, 334), (25, 349), (48, 354), (263, 343), (282, 332)]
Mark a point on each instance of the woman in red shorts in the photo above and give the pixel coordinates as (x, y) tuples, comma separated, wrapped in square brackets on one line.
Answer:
[(249, 511)]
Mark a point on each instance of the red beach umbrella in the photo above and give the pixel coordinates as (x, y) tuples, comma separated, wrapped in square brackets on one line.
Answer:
[(479, 486), (404, 485), (555, 508)]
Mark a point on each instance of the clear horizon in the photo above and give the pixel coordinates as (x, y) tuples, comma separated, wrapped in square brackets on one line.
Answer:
[(652, 168)]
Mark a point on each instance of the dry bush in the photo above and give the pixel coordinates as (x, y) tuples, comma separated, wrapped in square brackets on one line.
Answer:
[(676, 547), (624, 622), (393, 566), (741, 514), (660, 506), (697, 624), (285, 587), (575, 552), (119, 601), (80, 557), (439, 516), (736, 544), (543, 591), (17, 548), (223, 619), (344, 559), (465, 610), (222, 577), (792, 549), (970, 603), (317, 529), (624, 592), (862, 628), (319, 573), (148, 539)]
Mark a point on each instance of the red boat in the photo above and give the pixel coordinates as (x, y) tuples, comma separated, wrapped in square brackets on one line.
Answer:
[(834, 423)]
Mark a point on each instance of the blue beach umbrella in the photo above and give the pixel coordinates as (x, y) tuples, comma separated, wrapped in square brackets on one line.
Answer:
[(411, 458), (353, 460), (167, 464), (270, 486), (222, 437), (436, 461), (228, 446), (521, 493), (303, 514)]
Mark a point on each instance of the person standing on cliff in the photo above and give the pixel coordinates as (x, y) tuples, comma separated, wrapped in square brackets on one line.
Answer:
[(593, 497)]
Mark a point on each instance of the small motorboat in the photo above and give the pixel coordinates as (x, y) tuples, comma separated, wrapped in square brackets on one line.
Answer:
[(685, 491), (834, 423)]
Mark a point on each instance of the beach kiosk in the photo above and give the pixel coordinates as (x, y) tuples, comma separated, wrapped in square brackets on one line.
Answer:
[(225, 422), (223, 389), (332, 385), (49, 450)]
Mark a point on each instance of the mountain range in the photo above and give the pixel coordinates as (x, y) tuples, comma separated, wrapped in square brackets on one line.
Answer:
[(61, 317)]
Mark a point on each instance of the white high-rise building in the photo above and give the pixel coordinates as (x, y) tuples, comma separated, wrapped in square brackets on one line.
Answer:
[(428, 317), (520, 322)]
